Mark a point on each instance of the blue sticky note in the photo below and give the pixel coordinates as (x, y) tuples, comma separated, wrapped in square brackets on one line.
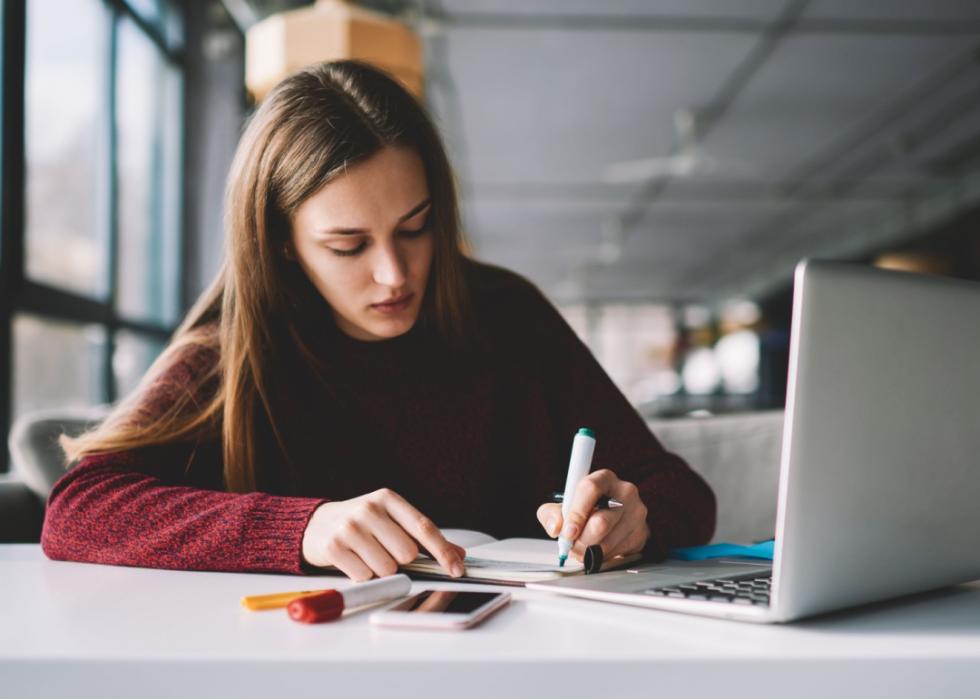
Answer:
[(724, 550)]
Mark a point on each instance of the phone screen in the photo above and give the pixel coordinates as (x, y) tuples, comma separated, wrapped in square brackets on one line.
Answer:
[(445, 602)]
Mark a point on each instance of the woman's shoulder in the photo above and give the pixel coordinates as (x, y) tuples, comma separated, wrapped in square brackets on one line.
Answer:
[(192, 363), (195, 353), (511, 311), (499, 288)]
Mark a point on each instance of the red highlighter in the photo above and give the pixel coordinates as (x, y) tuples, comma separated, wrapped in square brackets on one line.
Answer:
[(330, 604)]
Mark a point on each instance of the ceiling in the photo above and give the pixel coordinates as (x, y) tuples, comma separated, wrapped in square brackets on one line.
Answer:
[(835, 127)]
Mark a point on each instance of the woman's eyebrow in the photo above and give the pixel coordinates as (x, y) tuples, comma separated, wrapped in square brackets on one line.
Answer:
[(415, 210)]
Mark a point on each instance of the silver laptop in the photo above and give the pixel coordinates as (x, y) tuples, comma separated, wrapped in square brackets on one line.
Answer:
[(879, 485)]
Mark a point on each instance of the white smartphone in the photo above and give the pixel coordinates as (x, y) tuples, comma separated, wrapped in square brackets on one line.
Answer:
[(442, 609)]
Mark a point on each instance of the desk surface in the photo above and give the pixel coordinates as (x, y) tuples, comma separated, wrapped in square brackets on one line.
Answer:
[(136, 632)]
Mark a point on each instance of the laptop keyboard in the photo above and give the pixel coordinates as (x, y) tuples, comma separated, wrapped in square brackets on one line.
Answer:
[(740, 589)]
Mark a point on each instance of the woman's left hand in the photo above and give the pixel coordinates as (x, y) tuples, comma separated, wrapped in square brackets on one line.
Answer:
[(620, 530)]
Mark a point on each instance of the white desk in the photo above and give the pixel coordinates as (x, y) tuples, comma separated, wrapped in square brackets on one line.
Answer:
[(69, 630)]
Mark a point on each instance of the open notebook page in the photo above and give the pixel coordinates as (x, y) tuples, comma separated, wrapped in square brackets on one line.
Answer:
[(512, 560)]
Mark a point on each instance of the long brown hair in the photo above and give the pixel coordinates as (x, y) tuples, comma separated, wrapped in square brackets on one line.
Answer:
[(311, 127)]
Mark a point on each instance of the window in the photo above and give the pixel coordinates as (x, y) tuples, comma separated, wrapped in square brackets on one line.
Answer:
[(56, 363), (92, 179), (66, 146), (148, 162), (132, 356)]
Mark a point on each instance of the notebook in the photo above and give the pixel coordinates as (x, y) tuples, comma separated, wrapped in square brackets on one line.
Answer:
[(506, 561)]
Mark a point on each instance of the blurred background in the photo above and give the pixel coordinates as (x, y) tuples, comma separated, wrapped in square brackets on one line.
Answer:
[(657, 167)]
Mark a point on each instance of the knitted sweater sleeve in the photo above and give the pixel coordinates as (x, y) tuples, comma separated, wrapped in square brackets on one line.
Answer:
[(682, 507), (136, 508)]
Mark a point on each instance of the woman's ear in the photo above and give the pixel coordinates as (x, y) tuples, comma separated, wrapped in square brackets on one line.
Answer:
[(287, 251)]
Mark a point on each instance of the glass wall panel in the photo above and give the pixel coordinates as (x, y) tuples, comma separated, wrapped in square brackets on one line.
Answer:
[(164, 16), (103, 132), (173, 27), (150, 10), (66, 145), (56, 365), (149, 139), (133, 355)]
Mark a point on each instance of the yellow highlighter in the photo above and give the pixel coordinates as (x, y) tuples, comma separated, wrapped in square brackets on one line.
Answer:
[(276, 600)]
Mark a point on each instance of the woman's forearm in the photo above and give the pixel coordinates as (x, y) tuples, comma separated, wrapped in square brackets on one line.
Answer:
[(108, 511), (682, 510)]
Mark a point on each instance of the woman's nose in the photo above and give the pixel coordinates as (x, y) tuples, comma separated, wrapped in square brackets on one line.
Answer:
[(389, 267)]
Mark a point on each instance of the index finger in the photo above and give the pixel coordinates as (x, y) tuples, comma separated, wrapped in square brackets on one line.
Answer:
[(587, 495), (423, 530)]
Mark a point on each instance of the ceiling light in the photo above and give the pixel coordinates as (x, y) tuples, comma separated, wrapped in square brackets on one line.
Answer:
[(330, 30)]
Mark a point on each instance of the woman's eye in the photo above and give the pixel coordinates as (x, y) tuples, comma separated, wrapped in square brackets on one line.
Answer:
[(348, 251), (409, 233)]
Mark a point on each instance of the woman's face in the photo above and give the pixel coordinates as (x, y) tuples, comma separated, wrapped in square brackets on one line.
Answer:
[(364, 242)]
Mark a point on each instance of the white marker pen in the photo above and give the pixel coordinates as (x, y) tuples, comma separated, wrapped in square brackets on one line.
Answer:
[(578, 468), (330, 604)]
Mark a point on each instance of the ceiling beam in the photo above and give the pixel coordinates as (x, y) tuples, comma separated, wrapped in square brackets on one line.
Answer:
[(242, 13), (774, 33), (802, 180), (717, 24)]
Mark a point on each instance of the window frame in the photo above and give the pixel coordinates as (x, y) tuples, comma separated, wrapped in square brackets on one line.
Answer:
[(18, 294)]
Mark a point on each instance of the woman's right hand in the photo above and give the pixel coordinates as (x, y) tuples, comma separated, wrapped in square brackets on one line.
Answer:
[(374, 533)]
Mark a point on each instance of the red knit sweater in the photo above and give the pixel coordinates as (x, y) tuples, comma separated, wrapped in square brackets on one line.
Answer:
[(477, 445)]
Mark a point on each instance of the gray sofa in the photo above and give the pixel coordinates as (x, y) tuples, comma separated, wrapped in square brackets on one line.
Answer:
[(36, 462), (737, 454), (21, 511)]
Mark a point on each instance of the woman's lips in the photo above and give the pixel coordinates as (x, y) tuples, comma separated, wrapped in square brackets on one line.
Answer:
[(395, 305)]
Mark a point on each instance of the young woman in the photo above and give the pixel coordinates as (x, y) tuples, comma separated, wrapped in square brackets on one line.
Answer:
[(351, 381)]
